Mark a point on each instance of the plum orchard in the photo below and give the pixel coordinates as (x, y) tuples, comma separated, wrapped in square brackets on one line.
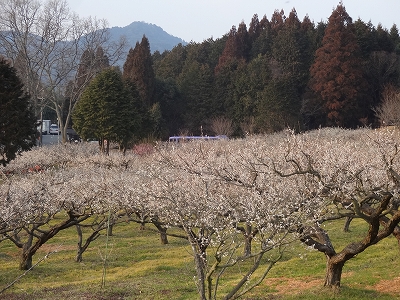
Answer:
[(239, 203)]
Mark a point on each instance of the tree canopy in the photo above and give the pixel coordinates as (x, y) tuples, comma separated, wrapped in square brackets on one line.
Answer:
[(272, 74), (337, 75), (106, 110), (284, 72), (17, 121)]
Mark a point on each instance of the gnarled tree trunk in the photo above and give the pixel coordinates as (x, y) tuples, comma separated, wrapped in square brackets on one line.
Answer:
[(26, 256), (333, 273), (163, 233)]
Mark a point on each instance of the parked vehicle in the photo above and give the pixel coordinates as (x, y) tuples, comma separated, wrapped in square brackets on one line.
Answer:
[(54, 129), (72, 136), (180, 139), (44, 126)]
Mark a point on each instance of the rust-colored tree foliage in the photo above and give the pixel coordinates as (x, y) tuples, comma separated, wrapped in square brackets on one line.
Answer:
[(336, 75), (236, 47), (138, 69)]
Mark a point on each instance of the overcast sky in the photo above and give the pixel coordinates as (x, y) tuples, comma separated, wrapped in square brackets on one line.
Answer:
[(198, 20)]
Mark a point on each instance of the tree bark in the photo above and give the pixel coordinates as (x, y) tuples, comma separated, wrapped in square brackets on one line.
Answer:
[(30, 247), (82, 248), (396, 234), (247, 246), (79, 253), (333, 273), (248, 235), (26, 257), (200, 256), (347, 224), (110, 229), (163, 234)]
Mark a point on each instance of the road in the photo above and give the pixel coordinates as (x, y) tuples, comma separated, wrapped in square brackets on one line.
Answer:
[(51, 139)]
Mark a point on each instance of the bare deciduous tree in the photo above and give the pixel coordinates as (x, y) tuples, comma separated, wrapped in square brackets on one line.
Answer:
[(388, 112), (45, 42), (222, 126)]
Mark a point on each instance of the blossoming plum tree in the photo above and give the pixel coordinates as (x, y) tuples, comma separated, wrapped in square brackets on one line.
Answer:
[(218, 187), (359, 175), (281, 187)]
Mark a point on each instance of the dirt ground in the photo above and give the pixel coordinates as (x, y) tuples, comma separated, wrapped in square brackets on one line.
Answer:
[(295, 286), (391, 287)]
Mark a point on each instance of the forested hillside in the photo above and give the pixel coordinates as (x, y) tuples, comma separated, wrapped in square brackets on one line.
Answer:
[(279, 72), (271, 74)]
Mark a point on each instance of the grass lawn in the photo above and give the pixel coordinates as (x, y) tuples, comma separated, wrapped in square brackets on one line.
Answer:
[(140, 267)]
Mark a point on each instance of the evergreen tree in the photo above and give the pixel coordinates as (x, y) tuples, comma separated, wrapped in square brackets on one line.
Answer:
[(171, 105), (381, 69), (254, 28), (261, 43), (365, 38), (105, 110), (170, 65), (230, 52), (243, 42), (310, 42), (290, 61), (138, 69), (237, 47), (249, 82), (91, 63), (290, 49), (17, 121), (196, 89), (395, 37), (276, 109), (336, 75), (383, 39), (277, 21)]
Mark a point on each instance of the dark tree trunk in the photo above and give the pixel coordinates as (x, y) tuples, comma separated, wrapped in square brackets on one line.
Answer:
[(163, 235), (26, 261), (110, 229), (162, 230), (30, 247), (142, 226), (333, 273), (82, 248), (396, 234), (79, 253), (248, 239), (347, 224), (248, 234), (27, 254), (201, 275), (200, 257), (247, 245)]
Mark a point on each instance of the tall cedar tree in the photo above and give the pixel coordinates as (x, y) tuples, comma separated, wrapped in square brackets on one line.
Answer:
[(138, 69), (277, 21), (281, 102), (105, 110), (91, 63), (236, 47), (336, 75), (17, 121), (196, 89), (260, 36)]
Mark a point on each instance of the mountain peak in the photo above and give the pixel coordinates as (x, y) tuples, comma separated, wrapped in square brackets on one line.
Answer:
[(159, 39)]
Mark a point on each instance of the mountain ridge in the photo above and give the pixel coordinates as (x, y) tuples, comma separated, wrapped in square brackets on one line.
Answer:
[(158, 38)]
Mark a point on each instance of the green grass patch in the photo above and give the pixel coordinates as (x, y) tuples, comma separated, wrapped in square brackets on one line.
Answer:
[(138, 266)]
